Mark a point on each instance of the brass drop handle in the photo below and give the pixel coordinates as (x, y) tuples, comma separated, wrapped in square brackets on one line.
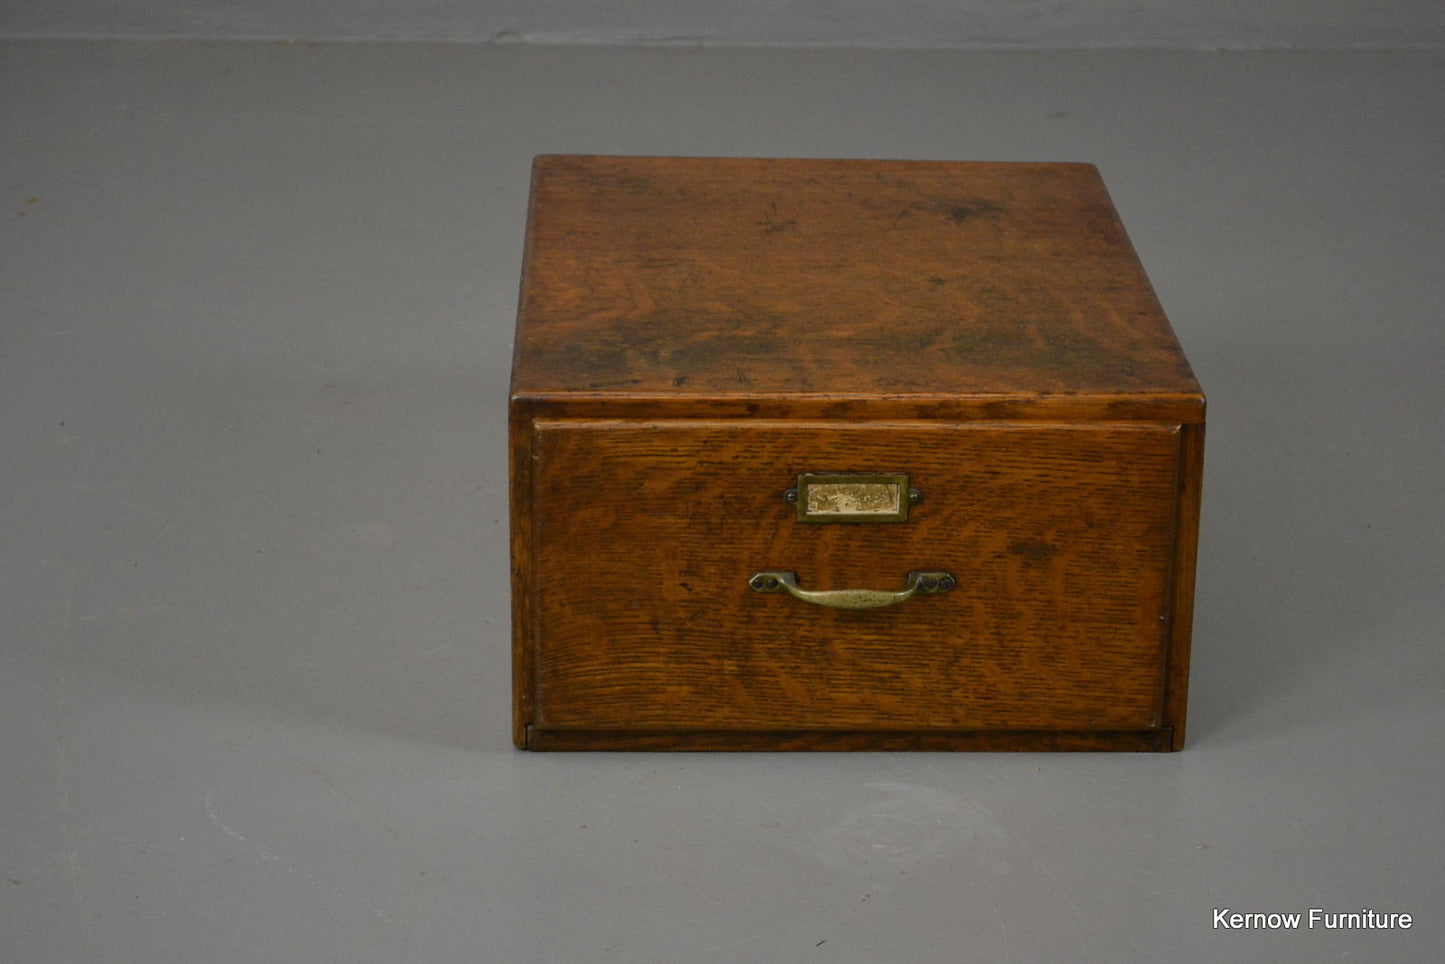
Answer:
[(920, 583)]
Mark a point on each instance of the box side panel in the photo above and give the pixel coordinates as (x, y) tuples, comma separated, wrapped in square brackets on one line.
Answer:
[(520, 432), (1181, 615), (1060, 537)]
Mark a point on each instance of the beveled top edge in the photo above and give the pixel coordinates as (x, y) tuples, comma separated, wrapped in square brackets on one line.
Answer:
[(1182, 408)]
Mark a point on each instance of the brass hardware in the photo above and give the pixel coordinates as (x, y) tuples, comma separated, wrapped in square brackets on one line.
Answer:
[(920, 583), (852, 497)]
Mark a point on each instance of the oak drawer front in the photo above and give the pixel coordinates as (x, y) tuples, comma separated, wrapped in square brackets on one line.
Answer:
[(643, 535)]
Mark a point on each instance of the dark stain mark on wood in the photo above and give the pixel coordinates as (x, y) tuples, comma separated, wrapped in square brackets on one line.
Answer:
[(1040, 343), (961, 212), (1032, 550), (620, 383), (772, 224)]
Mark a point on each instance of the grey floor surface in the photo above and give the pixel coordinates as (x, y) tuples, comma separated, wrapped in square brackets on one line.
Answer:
[(255, 316)]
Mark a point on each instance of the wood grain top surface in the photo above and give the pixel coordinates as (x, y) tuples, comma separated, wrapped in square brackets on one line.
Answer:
[(909, 288)]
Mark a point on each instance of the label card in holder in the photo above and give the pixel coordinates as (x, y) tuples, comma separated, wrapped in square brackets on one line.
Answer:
[(851, 497)]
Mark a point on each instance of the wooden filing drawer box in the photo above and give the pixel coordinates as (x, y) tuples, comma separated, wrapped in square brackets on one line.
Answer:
[(845, 454)]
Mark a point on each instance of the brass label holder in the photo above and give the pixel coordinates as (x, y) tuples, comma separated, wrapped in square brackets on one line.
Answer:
[(852, 497)]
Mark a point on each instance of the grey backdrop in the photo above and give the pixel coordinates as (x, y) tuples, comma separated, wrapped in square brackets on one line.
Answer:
[(255, 318), (1229, 24)]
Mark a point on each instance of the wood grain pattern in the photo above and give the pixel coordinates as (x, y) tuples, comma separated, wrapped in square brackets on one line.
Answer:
[(693, 333), (523, 539), (702, 286), (1061, 538)]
